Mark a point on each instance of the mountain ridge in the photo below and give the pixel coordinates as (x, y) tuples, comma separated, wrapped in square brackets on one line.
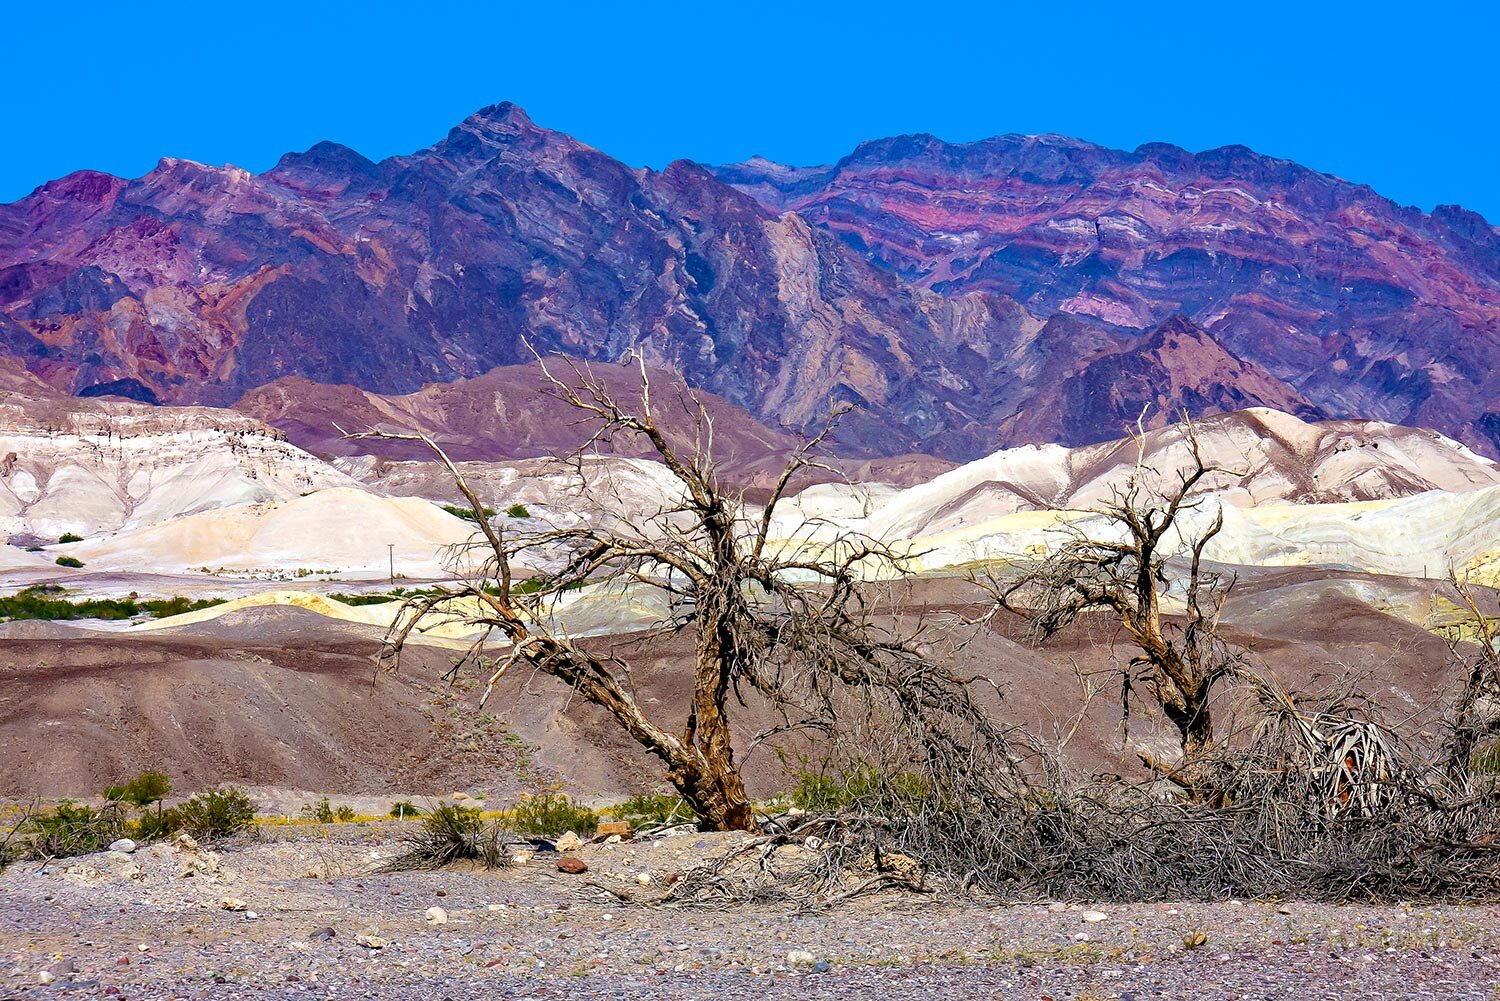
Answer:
[(199, 284)]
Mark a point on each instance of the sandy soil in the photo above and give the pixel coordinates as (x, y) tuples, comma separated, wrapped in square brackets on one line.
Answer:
[(328, 924)]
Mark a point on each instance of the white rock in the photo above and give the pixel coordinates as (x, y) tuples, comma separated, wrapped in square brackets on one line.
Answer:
[(569, 842), (1092, 916), (800, 957), (251, 916), (46, 977), (370, 941), (521, 858), (123, 845), (436, 916), (643, 878), (232, 904), (613, 839)]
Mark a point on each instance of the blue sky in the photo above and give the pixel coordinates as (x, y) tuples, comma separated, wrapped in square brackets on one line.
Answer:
[(1403, 98)]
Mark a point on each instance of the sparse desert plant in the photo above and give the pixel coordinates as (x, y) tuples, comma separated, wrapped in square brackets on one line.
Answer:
[(143, 790), (72, 562), (549, 814), (217, 813), (68, 537), (517, 511), (48, 602), (451, 833), (403, 808)]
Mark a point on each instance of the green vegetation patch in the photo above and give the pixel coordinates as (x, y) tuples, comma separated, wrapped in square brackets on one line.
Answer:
[(48, 602)]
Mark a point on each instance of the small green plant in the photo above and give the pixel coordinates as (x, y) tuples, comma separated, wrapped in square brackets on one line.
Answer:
[(467, 513), (69, 561), (404, 808), (517, 511), (68, 537), (143, 790), (324, 812), (549, 814), (217, 813)]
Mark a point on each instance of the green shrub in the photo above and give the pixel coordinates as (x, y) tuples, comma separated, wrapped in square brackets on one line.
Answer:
[(217, 813), (549, 814), (467, 513), (824, 790), (143, 790), (68, 537), (517, 511), (325, 812), (406, 808), (155, 826), (71, 829), (69, 561)]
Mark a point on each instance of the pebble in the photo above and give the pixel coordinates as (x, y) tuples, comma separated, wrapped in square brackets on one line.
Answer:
[(370, 941), (123, 845), (643, 878), (232, 904), (436, 916), (800, 957), (1092, 917)]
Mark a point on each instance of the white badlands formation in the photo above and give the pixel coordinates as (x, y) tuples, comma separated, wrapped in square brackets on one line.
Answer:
[(174, 490), (90, 471)]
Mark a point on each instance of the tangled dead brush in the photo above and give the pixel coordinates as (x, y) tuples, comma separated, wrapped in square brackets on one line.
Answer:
[(819, 863)]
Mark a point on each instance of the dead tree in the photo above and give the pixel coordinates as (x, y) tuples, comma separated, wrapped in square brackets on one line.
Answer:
[(1474, 717), (788, 619), (1127, 567)]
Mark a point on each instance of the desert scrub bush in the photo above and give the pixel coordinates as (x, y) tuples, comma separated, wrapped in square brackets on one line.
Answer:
[(659, 809), (549, 814), (70, 829), (451, 833), (467, 513), (68, 537), (324, 812), (143, 790), (517, 511), (71, 562), (404, 808), (217, 813)]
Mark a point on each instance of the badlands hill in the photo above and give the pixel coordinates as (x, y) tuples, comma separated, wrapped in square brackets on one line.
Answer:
[(182, 490)]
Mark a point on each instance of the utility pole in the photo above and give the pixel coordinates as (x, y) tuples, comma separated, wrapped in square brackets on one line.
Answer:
[(390, 548)]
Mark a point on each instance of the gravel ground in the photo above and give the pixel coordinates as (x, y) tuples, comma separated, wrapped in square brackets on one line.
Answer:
[(134, 926)]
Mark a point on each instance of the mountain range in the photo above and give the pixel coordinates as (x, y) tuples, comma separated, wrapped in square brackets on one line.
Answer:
[(964, 297)]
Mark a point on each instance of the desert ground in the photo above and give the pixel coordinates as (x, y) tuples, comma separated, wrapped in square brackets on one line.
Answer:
[(316, 917)]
